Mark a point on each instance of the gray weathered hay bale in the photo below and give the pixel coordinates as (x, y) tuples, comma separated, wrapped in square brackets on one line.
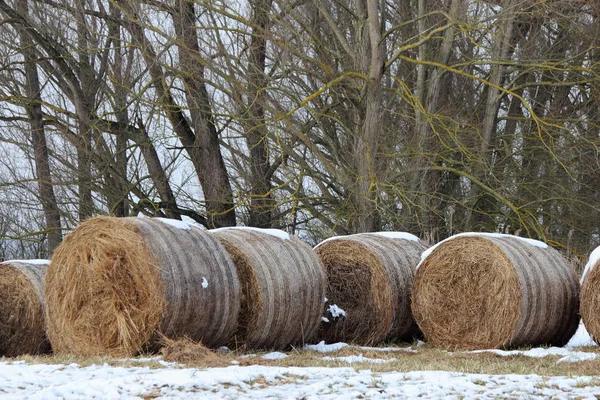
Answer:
[(115, 284), (590, 295), (22, 326), (476, 291), (283, 285), (370, 278)]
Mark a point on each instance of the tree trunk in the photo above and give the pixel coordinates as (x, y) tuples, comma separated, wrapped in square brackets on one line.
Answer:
[(261, 203), (38, 136), (203, 145)]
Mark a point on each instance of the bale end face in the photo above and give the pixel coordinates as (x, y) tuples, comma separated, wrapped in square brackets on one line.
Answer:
[(467, 295), (359, 285), (104, 292), (590, 302), (22, 326)]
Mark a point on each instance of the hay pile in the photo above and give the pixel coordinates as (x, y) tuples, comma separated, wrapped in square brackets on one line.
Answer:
[(114, 284), (283, 285), (477, 291), (370, 278), (22, 326), (590, 295), (187, 351)]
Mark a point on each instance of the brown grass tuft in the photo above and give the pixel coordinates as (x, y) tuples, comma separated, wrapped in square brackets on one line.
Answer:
[(115, 283), (22, 325), (475, 292), (370, 277), (187, 351)]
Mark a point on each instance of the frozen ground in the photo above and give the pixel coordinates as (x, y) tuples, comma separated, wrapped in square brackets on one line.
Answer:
[(19, 380)]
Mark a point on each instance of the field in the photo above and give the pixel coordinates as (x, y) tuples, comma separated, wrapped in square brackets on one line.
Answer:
[(316, 372)]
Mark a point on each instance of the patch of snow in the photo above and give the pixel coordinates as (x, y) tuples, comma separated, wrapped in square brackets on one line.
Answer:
[(204, 283), (391, 235), (335, 311), (325, 300), (191, 222), (224, 348), (42, 381), (175, 223), (592, 261), (532, 242), (321, 347), (580, 338), (539, 352), (359, 359), (324, 319), (387, 349), (275, 355), (34, 261), (278, 233), (396, 235)]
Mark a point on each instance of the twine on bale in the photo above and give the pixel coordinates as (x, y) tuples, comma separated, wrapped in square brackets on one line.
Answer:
[(590, 295), (370, 278), (283, 285), (116, 284), (22, 324), (478, 291)]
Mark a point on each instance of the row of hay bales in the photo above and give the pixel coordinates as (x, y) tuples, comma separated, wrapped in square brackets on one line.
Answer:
[(120, 286)]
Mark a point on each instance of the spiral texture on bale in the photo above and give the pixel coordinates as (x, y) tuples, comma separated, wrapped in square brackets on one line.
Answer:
[(116, 284), (283, 285), (488, 291), (22, 319), (369, 277)]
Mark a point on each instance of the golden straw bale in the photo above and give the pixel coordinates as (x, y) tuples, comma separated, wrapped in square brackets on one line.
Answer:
[(283, 285), (114, 284), (22, 326), (477, 291), (370, 278), (590, 295)]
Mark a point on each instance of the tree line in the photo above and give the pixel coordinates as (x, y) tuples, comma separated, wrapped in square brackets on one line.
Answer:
[(318, 117)]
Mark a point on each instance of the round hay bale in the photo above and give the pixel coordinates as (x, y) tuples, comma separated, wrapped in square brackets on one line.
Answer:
[(369, 284), (22, 326), (283, 285), (590, 295), (478, 291), (115, 284)]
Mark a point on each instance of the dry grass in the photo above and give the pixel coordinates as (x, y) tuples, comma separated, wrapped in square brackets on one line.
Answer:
[(483, 292), (427, 358)]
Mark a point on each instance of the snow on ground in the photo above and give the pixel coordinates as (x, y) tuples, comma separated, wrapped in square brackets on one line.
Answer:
[(48, 382), (580, 338), (538, 352), (260, 382), (359, 359)]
